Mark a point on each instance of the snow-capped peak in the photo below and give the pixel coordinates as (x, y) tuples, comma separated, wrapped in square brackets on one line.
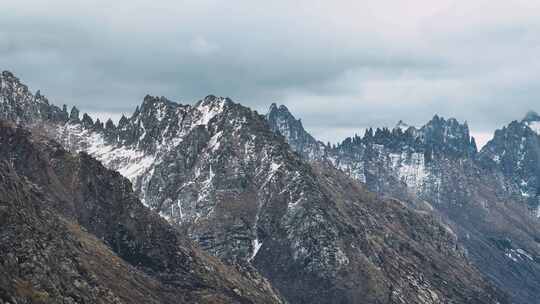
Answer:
[(208, 108), (532, 120), (273, 107), (535, 126)]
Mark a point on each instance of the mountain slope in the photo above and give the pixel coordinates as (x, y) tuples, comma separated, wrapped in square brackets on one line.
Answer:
[(436, 168), (220, 173), (74, 231), (515, 151), (282, 121)]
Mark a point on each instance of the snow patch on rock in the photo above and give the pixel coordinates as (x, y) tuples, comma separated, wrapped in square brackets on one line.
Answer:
[(256, 247), (535, 126), (410, 168)]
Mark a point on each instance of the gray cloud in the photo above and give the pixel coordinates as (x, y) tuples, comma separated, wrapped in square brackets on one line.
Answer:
[(340, 65)]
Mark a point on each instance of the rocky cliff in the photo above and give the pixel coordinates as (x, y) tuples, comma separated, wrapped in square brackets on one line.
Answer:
[(73, 231), (436, 168)]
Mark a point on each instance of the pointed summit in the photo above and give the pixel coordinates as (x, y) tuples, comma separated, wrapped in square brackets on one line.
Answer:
[(87, 121), (282, 121), (532, 120), (402, 125), (281, 114), (280, 111), (213, 103), (74, 114), (151, 102), (448, 137), (17, 103), (273, 107)]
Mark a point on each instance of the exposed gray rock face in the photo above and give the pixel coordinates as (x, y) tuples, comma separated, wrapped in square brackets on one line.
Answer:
[(220, 173), (18, 104), (515, 151), (283, 122), (437, 168), (72, 231)]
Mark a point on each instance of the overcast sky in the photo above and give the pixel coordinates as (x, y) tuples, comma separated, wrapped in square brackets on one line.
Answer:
[(339, 65)]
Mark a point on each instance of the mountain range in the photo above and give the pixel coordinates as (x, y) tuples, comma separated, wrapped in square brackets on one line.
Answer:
[(217, 203), (489, 198)]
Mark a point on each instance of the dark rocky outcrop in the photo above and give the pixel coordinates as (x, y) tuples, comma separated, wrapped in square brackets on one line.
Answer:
[(72, 231), (515, 151)]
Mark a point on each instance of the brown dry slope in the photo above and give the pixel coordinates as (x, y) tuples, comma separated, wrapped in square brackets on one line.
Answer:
[(72, 231)]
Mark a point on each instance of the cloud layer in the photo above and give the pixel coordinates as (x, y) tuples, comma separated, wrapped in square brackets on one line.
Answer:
[(340, 65)]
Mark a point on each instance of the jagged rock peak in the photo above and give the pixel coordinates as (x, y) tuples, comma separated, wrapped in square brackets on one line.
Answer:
[(448, 136), (11, 85), (284, 108), (110, 124), (402, 125), (8, 80), (281, 121), (532, 120), (153, 105), (152, 101), (274, 108), (123, 121), (74, 115), (210, 107), (17, 103), (282, 116), (87, 121), (440, 120), (450, 128), (7, 76), (213, 101), (98, 125), (514, 150)]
